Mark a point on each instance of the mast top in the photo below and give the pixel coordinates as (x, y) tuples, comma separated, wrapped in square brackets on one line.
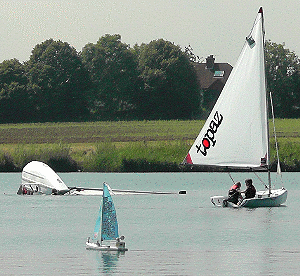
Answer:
[(260, 10)]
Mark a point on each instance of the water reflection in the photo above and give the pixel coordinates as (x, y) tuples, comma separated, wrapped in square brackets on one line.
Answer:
[(108, 261)]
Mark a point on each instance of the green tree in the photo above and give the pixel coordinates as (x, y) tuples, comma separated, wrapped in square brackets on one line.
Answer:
[(12, 71), (170, 83), (58, 82), (15, 103), (113, 69), (282, 71)]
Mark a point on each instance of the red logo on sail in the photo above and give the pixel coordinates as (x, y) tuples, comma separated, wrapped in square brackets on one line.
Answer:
[(209, 137)]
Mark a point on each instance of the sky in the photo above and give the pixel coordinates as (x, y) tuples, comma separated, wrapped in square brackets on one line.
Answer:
[(216, 27)]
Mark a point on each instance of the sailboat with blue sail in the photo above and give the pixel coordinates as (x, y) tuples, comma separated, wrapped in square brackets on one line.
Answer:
[(106, 227)]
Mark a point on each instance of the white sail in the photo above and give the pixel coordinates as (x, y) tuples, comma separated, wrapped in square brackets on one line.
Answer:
[(235, 133)]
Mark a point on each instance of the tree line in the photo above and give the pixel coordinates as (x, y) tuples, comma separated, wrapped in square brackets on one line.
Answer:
[(110, 80)]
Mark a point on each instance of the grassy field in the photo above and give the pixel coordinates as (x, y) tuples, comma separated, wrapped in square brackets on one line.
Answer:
[(119, 146), (92, 132)]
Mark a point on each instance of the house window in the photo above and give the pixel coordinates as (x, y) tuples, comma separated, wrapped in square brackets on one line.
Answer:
[(219, 74)]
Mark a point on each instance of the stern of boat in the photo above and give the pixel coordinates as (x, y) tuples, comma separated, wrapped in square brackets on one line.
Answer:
[(219, 201), (120, 244)]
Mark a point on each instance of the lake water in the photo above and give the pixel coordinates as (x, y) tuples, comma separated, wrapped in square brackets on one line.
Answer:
[(165, 234)]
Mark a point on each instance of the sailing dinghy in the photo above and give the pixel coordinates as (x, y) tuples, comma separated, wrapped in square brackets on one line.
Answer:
[(106, 226), (235, 134), (39, 179)]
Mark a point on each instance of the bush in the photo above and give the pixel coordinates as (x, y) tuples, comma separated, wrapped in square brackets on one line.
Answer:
[(57, 156), (104, 159), (144, 165), (6, 163)]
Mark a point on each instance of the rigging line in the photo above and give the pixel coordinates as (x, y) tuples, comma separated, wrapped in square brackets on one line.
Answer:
[(275, 137), (261, 180), (231, 177), (274, 130)]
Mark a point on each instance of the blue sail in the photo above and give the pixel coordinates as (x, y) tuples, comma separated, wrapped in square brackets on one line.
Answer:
[(109, 229), (97, 225)]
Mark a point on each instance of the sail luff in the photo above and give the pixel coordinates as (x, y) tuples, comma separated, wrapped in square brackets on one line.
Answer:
[(235, 133), (98, 224), (264, 91)]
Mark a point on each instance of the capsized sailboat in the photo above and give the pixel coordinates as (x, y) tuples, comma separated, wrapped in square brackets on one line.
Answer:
[(106, 227), (235, 134), (39, 179)]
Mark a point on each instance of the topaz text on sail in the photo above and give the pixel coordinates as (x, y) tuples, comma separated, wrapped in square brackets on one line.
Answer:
[(209, 137)]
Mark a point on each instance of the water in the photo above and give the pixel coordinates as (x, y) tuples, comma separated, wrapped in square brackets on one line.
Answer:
[(165, 234)]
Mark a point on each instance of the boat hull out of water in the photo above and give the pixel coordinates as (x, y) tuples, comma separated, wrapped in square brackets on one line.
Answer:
[(39, 189), (262, 199), (39, 178)]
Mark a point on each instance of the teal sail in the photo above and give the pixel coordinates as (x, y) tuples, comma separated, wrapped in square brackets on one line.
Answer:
[(97, 225), (109, 229)]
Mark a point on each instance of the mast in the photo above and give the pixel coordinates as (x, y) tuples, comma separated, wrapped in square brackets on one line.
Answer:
[(267, 107), (102, 213)]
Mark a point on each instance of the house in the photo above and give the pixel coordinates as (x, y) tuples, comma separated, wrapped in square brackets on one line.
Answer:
[(211, 77)]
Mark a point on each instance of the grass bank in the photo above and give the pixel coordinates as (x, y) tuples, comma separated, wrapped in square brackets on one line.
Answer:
[(135, 146)]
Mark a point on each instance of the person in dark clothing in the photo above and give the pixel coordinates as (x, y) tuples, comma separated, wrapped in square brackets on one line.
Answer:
[(250, 191), (234, 193)]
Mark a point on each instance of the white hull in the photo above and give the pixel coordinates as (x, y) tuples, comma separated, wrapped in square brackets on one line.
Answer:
[(95, 246), (39, 189), (262, 199), (39, 178)]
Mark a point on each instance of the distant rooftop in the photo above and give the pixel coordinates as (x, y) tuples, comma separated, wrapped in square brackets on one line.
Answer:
[(212, 75)]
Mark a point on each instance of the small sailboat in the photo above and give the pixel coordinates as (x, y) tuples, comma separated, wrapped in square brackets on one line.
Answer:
[(106, 226), (236, 133), (39, 179)]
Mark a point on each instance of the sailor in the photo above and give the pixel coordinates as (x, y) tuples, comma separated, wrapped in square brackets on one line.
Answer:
[(234, 193), (250, 191)]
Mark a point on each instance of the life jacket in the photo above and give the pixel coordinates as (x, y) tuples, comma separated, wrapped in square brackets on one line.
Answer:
[(234, 187)]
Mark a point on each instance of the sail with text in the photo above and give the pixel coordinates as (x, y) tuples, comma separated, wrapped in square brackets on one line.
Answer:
[(235, 133)]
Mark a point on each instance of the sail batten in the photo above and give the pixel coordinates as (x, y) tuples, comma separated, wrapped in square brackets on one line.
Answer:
[(235, 133)]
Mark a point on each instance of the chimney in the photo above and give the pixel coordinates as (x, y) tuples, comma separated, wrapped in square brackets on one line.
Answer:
[(210, 62)]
